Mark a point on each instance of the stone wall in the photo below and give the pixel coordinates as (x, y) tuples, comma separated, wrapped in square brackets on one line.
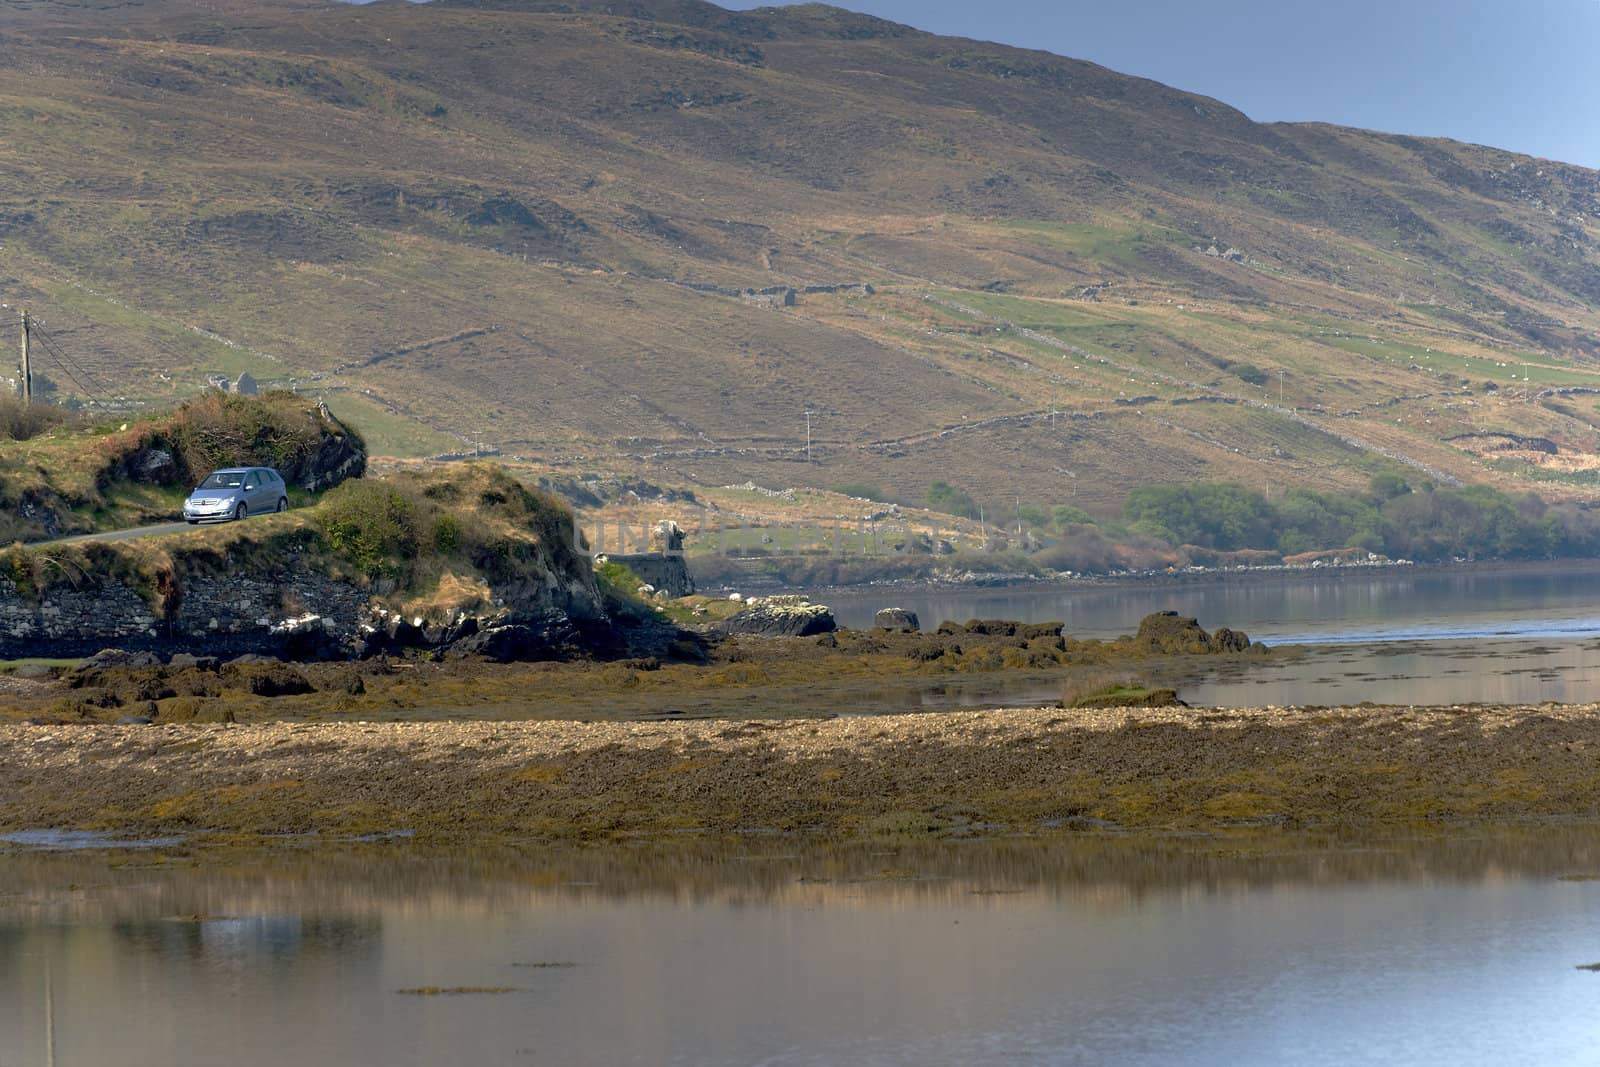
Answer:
[(216, 614), (670, 574)]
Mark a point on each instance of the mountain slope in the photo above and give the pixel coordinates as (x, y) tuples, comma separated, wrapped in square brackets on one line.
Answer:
[(526, 225)]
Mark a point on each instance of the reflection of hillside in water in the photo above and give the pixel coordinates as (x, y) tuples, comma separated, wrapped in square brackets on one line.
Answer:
[(937, 953), (340, 902), (253, 940), (1357, 605)]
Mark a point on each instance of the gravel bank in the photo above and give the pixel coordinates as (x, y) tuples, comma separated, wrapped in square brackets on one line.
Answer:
[(939, 774)]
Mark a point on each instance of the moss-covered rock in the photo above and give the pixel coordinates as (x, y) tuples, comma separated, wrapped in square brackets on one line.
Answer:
[(1168, 633)]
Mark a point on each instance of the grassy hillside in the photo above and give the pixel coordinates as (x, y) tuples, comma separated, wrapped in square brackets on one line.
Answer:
[(523, 225)]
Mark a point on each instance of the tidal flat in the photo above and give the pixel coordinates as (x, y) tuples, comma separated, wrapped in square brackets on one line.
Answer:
[(1044, 771)]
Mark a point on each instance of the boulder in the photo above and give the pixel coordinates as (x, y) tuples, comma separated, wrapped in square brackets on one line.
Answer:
[(1228, 640), (897, 620), (547, 638), (116, 657), (338, 455), (270, 679), (199, 663), (1168, 633), (782, 617), (153, 466), (1035, 630)]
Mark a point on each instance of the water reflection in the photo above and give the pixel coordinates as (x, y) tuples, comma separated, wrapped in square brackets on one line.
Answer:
[(1307, 949), (1349, 606), (1524, 635)]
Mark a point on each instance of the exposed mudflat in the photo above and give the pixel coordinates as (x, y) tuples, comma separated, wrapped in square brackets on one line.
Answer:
[(958, 773)]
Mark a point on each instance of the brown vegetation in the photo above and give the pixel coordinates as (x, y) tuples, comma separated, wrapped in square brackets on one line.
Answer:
[(923, 775), (515, 244)]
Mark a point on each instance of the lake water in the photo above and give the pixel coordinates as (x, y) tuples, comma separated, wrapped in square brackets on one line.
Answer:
[(1074, 951), (1345, 606), (1394, 635)]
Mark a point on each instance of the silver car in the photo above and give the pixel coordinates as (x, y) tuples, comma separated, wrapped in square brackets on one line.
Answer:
[(235, 493)]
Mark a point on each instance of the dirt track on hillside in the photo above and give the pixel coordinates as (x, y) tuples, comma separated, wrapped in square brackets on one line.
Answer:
[(930, 774)]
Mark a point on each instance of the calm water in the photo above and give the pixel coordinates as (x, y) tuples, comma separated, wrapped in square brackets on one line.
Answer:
[(1394, 603), (1390, 636), (1195, 951)]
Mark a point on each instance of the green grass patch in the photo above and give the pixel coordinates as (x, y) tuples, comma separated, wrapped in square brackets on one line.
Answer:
[(389, 432)]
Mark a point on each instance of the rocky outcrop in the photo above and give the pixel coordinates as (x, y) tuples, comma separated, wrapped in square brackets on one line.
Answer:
[(1002, 628), (1168, 633), (781, 616), (518, 585), (305, 442), (337, 455), (552, 636)]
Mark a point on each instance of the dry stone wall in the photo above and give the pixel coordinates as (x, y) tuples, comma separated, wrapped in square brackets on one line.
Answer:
[(215, 614)]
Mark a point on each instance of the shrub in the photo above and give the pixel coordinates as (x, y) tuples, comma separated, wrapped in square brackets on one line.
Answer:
[(20, 422), (1249, 373), (373, 525), (1064, 515), (863, 492), (446, 535), (942, 496)]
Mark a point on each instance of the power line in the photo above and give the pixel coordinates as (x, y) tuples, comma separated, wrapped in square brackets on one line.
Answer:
[(71, 367), (50, 341), (66, 367)]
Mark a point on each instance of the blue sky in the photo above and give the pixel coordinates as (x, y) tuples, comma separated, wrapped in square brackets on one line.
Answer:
[(1497, 72), (1522, 76)]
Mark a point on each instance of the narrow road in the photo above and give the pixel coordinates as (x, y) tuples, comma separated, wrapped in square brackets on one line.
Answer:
[(131, 534), (122, 535)]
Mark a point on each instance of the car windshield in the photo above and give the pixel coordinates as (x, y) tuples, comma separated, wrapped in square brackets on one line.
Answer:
[(223, 480)]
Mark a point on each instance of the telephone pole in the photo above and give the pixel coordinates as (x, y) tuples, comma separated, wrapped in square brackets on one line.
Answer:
[(25, 383), (808, 436)]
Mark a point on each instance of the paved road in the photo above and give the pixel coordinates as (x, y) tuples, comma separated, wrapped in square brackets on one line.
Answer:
[(125, 535), (122, 535)]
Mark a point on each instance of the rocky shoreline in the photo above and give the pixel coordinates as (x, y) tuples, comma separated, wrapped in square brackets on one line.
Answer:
[(932, 775)]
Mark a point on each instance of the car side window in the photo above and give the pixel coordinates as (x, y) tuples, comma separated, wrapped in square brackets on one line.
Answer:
[(250, 481)]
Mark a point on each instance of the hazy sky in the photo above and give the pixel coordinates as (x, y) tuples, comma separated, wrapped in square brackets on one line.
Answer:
[(1518, 75)]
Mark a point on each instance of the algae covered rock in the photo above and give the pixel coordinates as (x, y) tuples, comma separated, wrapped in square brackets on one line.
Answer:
[(782, 617), (268, 679), (1126, 695), (1171, 634)]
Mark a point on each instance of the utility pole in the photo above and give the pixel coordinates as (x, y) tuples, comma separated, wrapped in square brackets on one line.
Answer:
[(808, 435), (25, 383)]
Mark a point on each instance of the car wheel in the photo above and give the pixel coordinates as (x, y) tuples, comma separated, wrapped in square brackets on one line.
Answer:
[(240, 512), (283, 504)]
